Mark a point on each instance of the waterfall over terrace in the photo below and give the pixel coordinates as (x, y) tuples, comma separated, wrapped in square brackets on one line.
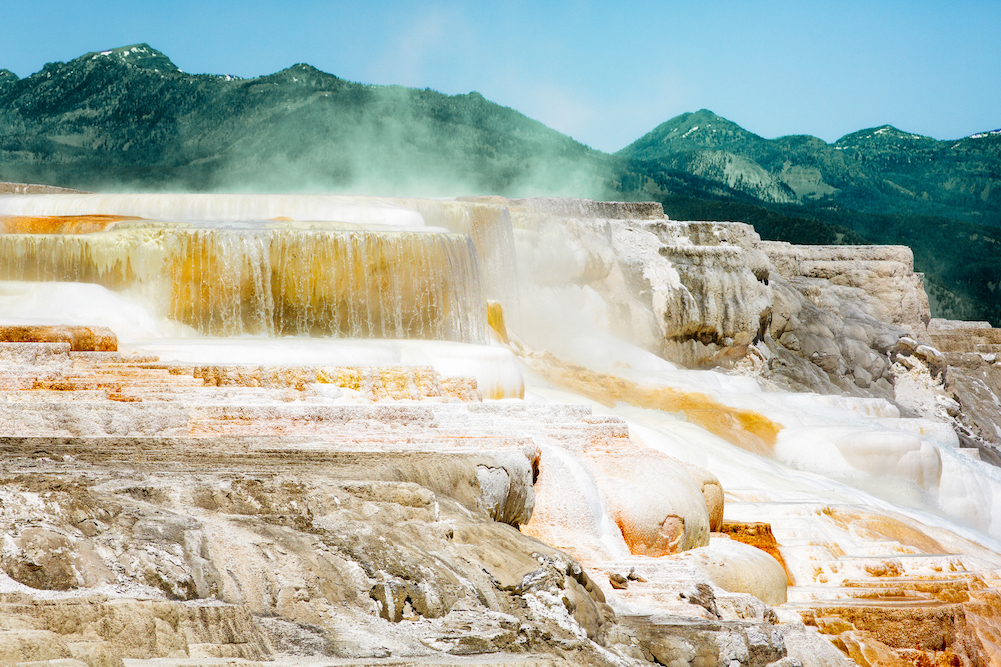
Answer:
[(275, 282), (487, 223), (235, 265)]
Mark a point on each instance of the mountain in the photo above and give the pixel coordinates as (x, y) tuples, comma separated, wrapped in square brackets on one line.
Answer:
[(702, 130), (710, 147), (129, 118), (878, 170)]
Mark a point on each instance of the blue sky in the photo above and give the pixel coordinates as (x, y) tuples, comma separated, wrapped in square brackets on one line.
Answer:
[(604, 73)]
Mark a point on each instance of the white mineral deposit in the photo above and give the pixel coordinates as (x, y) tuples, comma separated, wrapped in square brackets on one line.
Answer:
[(326, 430)]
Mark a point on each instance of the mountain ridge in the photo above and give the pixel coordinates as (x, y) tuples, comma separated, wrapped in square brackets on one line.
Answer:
[(130, 118), (138, 55)]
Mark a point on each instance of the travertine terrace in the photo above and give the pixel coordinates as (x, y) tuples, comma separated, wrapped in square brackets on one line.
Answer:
[(580, 433)]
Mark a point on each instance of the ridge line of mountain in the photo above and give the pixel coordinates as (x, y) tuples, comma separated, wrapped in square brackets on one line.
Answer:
[(147, 55)]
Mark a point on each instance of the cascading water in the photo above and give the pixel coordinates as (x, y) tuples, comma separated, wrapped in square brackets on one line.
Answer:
[(272, 282), (486, 223)]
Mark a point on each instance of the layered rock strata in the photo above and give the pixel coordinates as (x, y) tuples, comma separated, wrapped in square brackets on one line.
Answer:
[(184, 513), (298, 529), (209, 513)]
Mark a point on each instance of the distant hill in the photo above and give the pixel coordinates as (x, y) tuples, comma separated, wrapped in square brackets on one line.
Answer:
[(129, 119), (879, 170)]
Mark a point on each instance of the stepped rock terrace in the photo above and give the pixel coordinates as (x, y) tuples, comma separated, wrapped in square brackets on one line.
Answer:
[(234, 439)]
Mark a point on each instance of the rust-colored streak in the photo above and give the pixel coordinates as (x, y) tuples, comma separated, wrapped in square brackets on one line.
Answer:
[(59, 224), (652, 541), (757, 534), (81, 339), (744, 428)]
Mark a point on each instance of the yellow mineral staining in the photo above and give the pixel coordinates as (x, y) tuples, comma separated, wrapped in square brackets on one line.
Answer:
[(912, 634), (878, 527), (983, 620), (915, 607), (497, 392), (488, 225), (59, 224), (399, 382), (274, 282), (832, 625), (134, 379), (662, 541), (368, 285), (495, 320), (376, 383), (867, 651), (743, 428)]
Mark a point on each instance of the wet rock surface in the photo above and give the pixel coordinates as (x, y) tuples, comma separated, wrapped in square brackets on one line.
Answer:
[(187, 513), (824, 319), (158, 513)]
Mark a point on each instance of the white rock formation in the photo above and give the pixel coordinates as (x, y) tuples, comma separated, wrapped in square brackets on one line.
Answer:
[(193, 499)]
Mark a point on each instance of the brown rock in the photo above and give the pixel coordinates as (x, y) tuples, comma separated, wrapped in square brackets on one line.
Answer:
[(34, 189), (833, 625), (31, 646), (81, 339), (757, 534)]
